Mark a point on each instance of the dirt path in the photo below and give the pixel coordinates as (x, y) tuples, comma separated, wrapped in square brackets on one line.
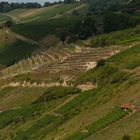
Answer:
[(53, 111)]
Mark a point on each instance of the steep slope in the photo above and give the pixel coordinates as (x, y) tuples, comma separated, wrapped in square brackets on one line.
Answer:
[(34, 112), (29, 15), (13, 48)]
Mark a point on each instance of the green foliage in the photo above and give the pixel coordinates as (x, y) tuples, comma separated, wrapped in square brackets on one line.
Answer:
[(102, 76), (53, 93), (100, 63), (8, 23), (51, 12), (19, 114), (5, 91), (105, 5), (113, 22), (101, 123), (129, 58), (37, 126), (38, 30), (85, 28), (12, 53), (119, 37)]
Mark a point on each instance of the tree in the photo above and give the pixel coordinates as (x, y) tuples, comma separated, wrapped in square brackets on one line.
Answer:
[(69, 1), (85, 28), (113, 22), (100, 63), (62, 33)]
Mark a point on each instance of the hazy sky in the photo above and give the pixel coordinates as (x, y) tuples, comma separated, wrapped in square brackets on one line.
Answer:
[(41, 1)]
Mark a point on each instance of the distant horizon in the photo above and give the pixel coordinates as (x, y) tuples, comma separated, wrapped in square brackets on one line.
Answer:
[(25, 1)]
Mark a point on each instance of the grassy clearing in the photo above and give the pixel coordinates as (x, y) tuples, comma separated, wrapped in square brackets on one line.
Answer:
[(101, 123), (119, 37), (129, 59), (12, 53)]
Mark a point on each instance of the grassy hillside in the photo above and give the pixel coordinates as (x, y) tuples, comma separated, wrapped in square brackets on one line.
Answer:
[(37, 14), (66, 113), (12, 53), (38, 30), (46, 21), (3, 18), (35, 106), (117, 38)]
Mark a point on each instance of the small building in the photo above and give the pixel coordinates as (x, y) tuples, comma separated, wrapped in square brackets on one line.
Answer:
[(127, 106)]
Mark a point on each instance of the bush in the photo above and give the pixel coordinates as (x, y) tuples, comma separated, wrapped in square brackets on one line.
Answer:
[(100, 63)]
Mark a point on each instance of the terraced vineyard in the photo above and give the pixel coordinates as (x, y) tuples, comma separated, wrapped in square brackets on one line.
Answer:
[(78, 90)]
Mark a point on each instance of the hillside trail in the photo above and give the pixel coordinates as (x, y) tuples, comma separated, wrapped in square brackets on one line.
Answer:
[(53, 111), (68, 12)]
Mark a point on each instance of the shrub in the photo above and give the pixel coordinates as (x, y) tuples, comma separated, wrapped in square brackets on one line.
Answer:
[(100, 63)]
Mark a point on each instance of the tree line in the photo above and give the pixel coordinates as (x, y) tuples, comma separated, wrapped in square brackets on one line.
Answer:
[(6, 6)]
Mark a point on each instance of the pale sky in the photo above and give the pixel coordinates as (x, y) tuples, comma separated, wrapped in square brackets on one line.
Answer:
[(39, 1)]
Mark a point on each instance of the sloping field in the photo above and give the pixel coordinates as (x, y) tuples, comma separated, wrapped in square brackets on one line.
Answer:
[(72, 114), (3, 18), (12, 53), (116, 38), (39, 13), (30, 110), (38, 30), (85, 109)]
